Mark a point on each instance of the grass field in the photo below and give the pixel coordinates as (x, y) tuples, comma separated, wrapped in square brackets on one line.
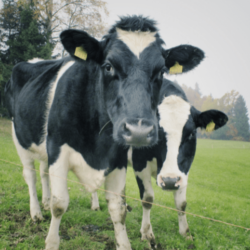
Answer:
[(219, 188)]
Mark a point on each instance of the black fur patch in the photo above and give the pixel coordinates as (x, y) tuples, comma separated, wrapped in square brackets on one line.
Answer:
[(135, 23)]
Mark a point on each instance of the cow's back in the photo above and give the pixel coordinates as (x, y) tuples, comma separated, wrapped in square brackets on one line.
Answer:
[(27, 95)]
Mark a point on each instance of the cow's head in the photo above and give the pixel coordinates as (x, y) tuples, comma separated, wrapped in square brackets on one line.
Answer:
[(131, 62), (179, 120)]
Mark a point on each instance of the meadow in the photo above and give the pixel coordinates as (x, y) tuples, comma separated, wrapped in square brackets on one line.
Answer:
[(219, 188)]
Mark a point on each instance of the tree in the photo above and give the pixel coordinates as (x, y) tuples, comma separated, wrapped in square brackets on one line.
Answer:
[(22, 38), (30, 42), (241, 118), (64, 14)]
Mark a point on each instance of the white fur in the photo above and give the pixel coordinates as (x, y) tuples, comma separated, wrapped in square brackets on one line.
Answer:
[(59, 196), (137, 41), (115, 182), (35, 60), (180, 198), (146, 227), (95, 202), (174, 113), (27, 159)]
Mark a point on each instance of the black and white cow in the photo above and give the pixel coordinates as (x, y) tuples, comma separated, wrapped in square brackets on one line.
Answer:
[(81, 113), (174, 153)]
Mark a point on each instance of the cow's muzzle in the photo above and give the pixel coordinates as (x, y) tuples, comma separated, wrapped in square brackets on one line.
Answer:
[(139, 133), (169, 183)]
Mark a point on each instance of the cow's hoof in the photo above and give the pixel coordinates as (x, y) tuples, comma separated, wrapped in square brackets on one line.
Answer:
[(46, 204), (189, 237), (36, 215), (95, 208), (152, 244), (151, 239), (52, 243)]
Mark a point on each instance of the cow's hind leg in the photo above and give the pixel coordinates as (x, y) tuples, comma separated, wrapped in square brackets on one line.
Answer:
[(29, 175), (59, 199), (147, 194), (180, 203), (94, 202), (45, 184), (115, 182)]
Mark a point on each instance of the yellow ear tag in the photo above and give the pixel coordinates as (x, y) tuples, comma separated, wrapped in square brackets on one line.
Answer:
[(81, 53), (210, 127), (176, 69)]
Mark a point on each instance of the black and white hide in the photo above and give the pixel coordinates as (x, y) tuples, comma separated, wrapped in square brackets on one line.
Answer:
[(173, 154), (83, 112)]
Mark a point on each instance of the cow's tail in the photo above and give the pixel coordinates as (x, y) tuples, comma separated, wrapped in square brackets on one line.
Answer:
[(8, 98)]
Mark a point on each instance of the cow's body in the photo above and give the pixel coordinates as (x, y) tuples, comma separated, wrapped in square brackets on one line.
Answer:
[(82, 114), (173, 154)]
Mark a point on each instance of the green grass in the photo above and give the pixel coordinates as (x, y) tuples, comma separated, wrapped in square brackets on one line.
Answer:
[(219, 188)]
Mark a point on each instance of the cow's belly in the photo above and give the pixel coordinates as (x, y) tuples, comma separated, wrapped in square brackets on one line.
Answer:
[(91, 178), (34, 152)]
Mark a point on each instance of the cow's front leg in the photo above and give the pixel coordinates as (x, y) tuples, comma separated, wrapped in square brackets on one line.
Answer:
[(147, 194), (59, 201), (45, 184), (180, 203), (115, 182), (95, 202)]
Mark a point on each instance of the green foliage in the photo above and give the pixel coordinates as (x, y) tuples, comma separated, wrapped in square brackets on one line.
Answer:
[(218, 188), (241, 118), (22, 37), (30, 42)]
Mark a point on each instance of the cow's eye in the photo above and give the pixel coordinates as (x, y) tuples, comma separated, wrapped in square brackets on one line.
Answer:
[(108, 67)]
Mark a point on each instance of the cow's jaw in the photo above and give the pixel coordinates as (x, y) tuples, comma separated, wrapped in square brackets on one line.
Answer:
[(174, 113)]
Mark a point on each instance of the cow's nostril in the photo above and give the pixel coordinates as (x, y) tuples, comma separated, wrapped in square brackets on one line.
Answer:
[(126, 130), (151, 132)]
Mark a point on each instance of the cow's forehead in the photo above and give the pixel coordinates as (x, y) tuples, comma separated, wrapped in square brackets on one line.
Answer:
[(136, 41), (174, 113)]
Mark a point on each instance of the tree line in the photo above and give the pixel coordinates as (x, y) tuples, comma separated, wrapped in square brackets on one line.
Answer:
[(31, 28), (232, 104)]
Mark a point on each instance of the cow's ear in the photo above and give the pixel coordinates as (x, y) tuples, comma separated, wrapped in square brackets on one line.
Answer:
[(182, 58), (81, 45), (210, 120)]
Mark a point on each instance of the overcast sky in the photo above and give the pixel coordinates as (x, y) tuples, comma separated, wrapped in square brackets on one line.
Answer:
[(219, 27)]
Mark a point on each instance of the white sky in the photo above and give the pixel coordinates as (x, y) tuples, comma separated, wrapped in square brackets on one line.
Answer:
[(219, 27)]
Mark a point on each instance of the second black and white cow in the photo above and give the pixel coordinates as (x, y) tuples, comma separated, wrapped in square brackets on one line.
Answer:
[(174, 153), (81, 113)]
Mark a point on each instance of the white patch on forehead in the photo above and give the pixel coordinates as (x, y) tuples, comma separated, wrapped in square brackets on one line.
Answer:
[(174, 113), (137, 41)]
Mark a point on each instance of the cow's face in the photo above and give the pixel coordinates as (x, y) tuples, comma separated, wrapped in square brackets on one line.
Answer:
[(131, 64), (179, 120)]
